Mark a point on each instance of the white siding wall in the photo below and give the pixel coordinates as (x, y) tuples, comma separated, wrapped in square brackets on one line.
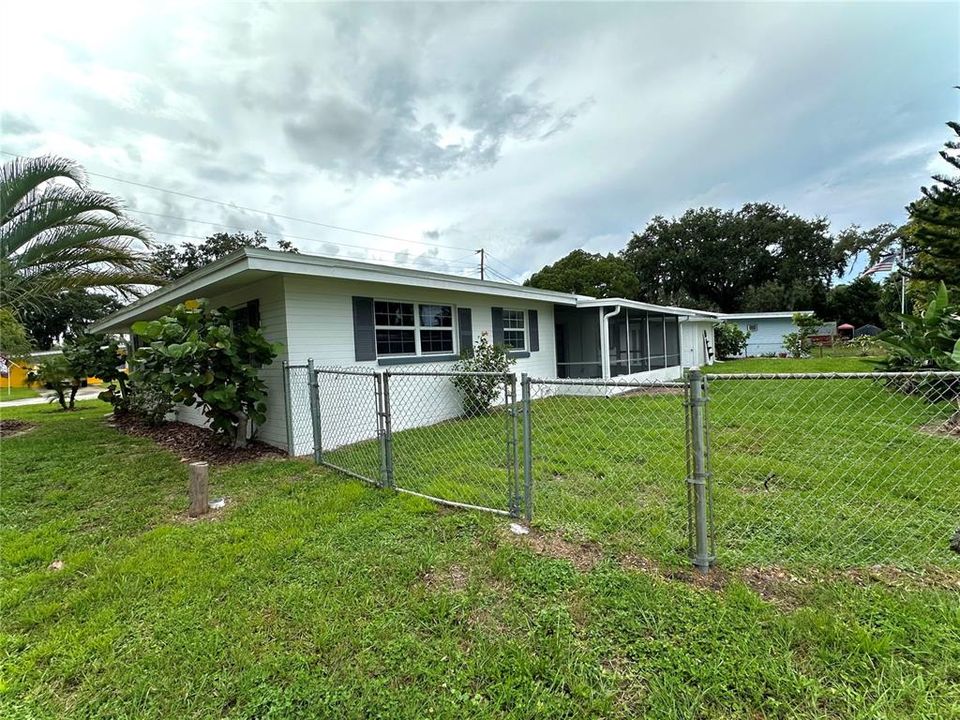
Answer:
[(692, 350), (768, 337), (320, 326), (273, 323)]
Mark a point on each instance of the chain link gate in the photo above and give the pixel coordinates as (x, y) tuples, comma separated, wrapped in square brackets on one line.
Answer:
[(407, 430)]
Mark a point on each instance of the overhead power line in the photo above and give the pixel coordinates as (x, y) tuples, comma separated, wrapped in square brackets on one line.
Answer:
[(270, 214)]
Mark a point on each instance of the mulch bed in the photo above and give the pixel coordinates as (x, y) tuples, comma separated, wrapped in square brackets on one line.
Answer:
[(14, 427), (194, 444)]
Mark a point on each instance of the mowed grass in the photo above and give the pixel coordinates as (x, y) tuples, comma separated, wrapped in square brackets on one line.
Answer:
[(833, 473), (16, 393), (313, 595)]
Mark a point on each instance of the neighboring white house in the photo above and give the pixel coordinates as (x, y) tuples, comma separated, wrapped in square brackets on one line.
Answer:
[(766, 329), (347, 313)]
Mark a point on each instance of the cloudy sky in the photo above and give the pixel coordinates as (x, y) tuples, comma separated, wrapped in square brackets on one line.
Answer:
[(529, 130)]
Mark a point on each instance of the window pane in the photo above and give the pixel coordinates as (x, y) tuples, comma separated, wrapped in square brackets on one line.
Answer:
[(396, 342), (513, 319), (514, 339), (436, 316), (393, 313), (436, 341)]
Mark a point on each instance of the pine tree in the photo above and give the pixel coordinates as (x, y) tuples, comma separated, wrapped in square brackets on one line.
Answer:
[(935, 220)]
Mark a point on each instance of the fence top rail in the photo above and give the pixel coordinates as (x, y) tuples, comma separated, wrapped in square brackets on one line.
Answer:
[(290, 366), (449, 373), (833, 375), (601, 382), (345, 371)]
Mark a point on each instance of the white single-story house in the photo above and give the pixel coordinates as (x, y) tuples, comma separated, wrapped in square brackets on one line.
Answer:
[(766, 329), (343, 312)]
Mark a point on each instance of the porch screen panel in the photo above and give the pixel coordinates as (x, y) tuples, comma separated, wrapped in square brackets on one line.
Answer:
[(619, 361), (672, 329), (657, 344), (639, 357)]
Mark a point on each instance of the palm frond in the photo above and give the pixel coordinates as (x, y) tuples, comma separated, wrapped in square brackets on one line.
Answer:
[(59, 206), (21, 175)]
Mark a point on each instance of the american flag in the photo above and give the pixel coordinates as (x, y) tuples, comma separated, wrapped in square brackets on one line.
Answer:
[(886, 263)]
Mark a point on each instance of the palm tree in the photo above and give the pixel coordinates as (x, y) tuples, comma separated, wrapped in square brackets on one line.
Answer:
[(59, 235)]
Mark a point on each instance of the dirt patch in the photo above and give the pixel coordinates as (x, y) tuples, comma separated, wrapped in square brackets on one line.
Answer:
[(192, 444), (12, 428), (583, 555), (948, 428), (453, 578)]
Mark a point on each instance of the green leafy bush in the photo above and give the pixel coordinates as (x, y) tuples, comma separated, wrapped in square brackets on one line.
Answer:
[(731, 340), (196, 357), (96, 355), (478, 392), (928, 341), (55, 373), (148, 401)]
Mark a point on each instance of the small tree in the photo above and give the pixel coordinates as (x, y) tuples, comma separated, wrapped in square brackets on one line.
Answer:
[(731, 340), (99, 356), (798, 343), (55, 373), (478, 392), (195, 355)]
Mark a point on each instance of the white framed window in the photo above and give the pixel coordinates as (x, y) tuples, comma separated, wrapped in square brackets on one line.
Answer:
[(515, 329), (406, 328)]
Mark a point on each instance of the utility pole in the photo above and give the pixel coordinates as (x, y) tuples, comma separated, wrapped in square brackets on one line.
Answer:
[(480, 252)]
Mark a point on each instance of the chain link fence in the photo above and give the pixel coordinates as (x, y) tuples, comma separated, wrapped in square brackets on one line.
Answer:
[(828, 470), (835, 470)]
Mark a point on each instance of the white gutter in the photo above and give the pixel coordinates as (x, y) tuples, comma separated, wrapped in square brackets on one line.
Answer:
[(605, 340)]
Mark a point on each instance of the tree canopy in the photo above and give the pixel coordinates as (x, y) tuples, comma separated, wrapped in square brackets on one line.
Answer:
[(67, 314), (174, 261), (717, 258), (934, 232), (588, 274)]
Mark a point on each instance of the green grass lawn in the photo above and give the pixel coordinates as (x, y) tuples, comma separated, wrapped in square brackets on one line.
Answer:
[(313, 595), (20, 393)]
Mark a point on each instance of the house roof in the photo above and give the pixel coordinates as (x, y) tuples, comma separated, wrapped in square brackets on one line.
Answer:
[(252, 264), (585, 301), (788, 314)]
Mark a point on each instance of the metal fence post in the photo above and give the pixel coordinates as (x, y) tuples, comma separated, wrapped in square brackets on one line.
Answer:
[(699, 480), (513, 460), (527, 449), (387, 430), (288, 407), (315, 412)]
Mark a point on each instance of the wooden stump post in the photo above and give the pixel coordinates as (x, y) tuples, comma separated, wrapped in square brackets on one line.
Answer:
[(199, 497)]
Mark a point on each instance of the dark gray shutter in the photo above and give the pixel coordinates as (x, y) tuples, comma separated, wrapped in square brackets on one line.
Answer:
[(364, 337), (534, 330), (496, 318), (465, 330)]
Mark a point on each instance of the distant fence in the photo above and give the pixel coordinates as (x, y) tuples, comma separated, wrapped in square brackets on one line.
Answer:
[(831, 470)]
